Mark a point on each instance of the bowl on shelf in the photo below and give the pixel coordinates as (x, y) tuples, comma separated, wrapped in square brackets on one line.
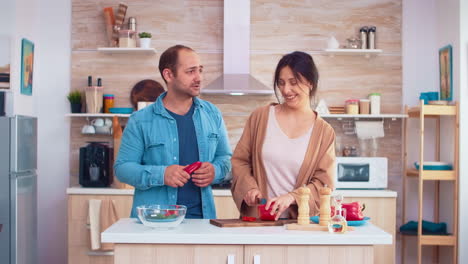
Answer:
[(161, 216), (103, 130), (121, 110), (434, 165)]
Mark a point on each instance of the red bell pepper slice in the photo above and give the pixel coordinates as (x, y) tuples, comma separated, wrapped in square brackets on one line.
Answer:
[(193, 167), (249, 218)]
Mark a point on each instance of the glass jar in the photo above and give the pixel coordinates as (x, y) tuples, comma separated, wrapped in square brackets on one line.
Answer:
[(127, 38), (364, 106), (108, 102), (352, 107), (337, 223), (346, 151), (374, 103)]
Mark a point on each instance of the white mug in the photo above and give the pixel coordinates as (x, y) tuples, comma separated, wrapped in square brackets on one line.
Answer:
[(88, 129), (108, 122), (98, 122)]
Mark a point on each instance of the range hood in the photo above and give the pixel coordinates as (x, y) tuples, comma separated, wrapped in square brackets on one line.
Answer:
[(236, 78)]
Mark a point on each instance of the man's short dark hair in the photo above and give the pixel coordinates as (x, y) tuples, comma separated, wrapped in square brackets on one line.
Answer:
[(169, 59)]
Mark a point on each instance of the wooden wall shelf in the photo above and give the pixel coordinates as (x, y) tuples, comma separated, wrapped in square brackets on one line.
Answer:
[(97, 115), (359, 52), (126, 50)]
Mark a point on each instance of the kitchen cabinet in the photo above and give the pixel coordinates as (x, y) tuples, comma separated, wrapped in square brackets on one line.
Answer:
[(197, 241), (78, 232), (176, 254), (382, 211), (380, 207), (79, 249), (299, 254)]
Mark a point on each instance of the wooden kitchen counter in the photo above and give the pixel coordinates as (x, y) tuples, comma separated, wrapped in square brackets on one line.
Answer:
[(197, 241)]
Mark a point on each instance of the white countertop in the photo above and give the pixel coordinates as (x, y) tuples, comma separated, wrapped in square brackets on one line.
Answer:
[(115, 191), (200, 231), (224, 192)]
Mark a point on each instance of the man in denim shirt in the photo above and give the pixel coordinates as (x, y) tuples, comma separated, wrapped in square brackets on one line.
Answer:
[(160, 140)]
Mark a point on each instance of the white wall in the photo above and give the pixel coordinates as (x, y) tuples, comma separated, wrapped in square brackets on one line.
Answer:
[(53, 84), (47, 23), (463, 96), (7, 25), (26, 26), (428, 26)]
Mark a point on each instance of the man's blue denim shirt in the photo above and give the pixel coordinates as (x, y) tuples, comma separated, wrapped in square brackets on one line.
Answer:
[(150, 144)]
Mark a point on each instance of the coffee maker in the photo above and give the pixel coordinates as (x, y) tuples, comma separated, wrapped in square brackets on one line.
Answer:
[(96, 165)]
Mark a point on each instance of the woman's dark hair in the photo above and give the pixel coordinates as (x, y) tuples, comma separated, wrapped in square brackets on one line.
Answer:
[(169, 59), (301, 64)]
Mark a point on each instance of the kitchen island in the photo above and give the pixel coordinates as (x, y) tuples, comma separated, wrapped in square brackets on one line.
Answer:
[(197, 241)]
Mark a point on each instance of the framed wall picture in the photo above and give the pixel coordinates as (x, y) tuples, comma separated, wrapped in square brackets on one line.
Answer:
[(445, 73), (27, 63)]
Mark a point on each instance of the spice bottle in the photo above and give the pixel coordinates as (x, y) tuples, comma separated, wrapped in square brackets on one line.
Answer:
[(371, 38), (364, 106), (108, 102), (363, 35), (352, 107)]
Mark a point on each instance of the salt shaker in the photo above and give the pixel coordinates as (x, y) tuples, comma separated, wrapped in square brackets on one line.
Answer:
[(363, 34), (371, 37)]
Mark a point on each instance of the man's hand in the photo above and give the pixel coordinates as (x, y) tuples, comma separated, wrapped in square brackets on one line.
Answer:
[(204, 176), (175, 176), (252, 196)]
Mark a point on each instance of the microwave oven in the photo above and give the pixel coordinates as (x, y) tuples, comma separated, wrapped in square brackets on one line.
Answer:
[(361, 173)]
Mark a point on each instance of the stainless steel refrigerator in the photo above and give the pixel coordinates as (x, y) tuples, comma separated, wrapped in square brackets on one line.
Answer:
[(18, 190)]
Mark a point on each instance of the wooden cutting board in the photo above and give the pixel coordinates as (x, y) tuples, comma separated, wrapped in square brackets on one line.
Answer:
[(240, 223)]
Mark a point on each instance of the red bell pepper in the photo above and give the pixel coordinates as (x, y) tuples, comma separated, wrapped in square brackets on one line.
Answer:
[(353, 211), (265, 214), (193, 167)]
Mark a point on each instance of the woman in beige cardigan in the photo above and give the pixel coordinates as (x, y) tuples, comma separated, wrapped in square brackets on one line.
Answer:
[(285, 146)]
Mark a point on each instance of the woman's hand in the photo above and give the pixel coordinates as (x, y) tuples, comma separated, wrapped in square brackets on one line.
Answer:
[(281, 203), (252, 196)]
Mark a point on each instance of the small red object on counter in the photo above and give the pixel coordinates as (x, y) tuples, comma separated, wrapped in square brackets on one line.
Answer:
[(249, 218), (265, 214), (353, 211), (193, 167)]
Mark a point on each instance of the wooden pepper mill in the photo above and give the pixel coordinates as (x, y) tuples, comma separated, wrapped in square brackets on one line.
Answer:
[(304, 216), (325, 209)]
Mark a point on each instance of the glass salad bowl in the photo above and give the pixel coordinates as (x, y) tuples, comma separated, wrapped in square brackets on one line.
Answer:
[(161, 216)]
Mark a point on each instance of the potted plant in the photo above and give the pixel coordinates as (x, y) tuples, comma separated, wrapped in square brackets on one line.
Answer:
[(75, 101), (145, 39)]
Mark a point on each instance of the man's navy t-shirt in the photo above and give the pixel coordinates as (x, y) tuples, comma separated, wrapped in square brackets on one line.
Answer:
[(190, 194)]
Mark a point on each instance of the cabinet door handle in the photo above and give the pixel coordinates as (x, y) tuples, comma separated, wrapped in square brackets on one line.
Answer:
[(231, 259), (100, 253), (257, 259)]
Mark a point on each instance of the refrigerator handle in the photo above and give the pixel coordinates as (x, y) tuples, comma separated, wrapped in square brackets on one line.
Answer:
[(1, 227)]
